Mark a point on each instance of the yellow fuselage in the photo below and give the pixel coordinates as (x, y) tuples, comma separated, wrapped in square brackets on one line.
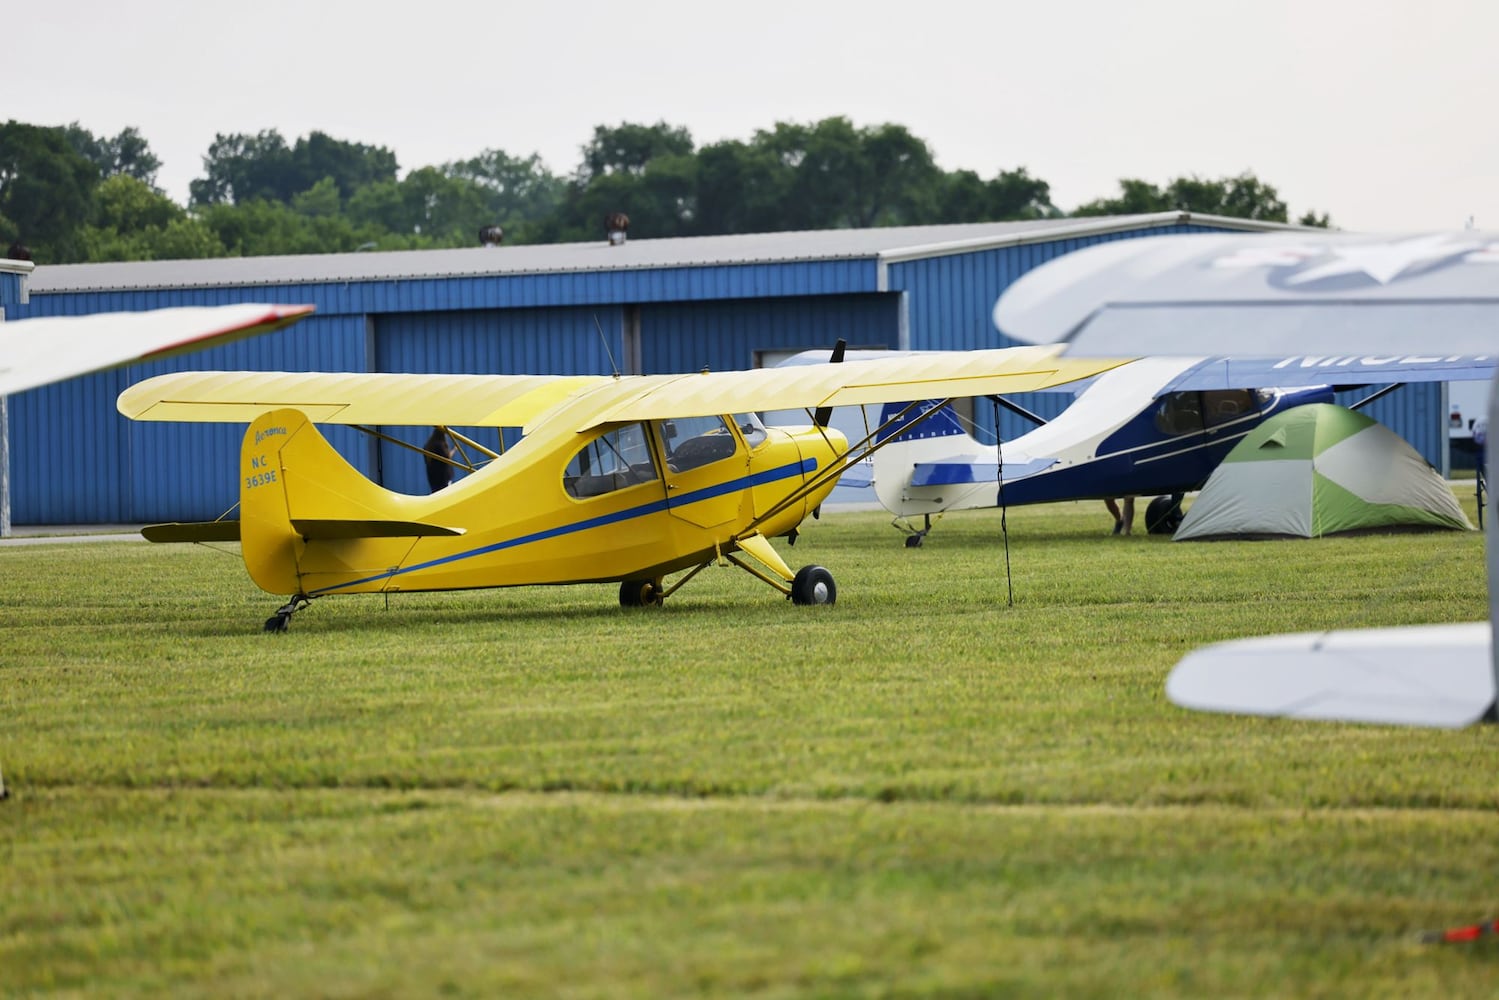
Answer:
[(311, 524)]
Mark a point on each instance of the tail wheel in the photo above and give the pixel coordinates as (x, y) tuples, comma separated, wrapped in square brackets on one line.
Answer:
[(813, 585), (640, 593)]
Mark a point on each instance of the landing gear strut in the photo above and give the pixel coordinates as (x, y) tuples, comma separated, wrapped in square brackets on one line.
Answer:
[(915, 538), (279, 621)]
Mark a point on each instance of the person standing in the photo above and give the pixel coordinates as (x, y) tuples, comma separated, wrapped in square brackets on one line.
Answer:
[(1124, 520), (439, 456)]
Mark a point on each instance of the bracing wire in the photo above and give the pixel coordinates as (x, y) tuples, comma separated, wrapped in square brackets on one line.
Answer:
[(1004, 513)]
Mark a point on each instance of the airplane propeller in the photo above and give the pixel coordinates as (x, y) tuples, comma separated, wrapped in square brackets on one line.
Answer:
[(823, 414)]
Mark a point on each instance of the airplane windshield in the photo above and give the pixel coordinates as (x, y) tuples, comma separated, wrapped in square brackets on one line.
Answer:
[(694, 441)]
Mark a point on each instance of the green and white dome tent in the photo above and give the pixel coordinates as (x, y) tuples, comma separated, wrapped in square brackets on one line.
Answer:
[(1320, 470)]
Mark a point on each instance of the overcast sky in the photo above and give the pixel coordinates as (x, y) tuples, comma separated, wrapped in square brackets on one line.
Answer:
[(1379, 112)]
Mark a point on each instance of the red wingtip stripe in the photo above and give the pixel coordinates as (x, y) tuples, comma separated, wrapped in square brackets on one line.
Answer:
[(273, 318)]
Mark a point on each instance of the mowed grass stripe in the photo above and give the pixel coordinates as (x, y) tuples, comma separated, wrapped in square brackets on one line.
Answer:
[(355, 892), (920, 791)]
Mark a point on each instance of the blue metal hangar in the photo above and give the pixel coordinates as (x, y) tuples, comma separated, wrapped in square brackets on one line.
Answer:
[(648, 306)]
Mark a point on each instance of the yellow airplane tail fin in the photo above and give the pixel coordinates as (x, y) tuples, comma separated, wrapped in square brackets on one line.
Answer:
[(267, 462), (296, 490)]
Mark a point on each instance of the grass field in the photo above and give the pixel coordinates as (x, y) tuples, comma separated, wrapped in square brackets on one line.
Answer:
[(922, 791)]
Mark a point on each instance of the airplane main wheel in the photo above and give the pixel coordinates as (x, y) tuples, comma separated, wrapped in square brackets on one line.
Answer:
[(640, 593), (1164, 515), (813, 585)]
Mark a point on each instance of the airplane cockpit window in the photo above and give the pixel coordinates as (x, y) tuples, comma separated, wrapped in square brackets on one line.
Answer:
[(696, 441), (612, 461), (1189, 412), (1179, 413), (751, 429), (1221, 406)]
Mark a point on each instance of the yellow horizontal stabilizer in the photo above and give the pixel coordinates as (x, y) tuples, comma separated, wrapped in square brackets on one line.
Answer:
[(352, 397), (194, 531), (898, 378), (330, 529)]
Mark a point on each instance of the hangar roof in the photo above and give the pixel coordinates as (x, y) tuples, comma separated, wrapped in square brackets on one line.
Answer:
[(886, 244)]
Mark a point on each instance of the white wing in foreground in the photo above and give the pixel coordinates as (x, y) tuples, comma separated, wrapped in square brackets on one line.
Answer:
[(35, 352), (1420, 675)]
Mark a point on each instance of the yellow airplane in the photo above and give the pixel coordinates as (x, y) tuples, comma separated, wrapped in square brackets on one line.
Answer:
[(624, 478)]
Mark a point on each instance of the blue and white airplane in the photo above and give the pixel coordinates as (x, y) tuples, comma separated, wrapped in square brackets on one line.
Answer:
[(1156, 426)]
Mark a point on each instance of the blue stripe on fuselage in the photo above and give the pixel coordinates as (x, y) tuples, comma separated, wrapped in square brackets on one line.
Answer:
[(801, 468)]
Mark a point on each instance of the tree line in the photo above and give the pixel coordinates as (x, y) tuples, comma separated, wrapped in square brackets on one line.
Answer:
[(68, 196)]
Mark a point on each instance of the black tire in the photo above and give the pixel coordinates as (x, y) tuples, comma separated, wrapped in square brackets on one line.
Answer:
[(1163, 516), (640, 593), (813, 585)]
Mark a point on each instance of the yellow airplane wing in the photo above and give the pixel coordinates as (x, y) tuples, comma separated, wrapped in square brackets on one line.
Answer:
[(898, 378), (518, 400), (352, 397)]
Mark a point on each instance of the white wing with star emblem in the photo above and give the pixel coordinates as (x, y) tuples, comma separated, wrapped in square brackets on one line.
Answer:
[(1264, 294)]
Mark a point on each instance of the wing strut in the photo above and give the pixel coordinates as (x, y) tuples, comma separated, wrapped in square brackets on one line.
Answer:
[(1004, 511), (865, 447), (1018, 410), (1376, 395), (467, 465)]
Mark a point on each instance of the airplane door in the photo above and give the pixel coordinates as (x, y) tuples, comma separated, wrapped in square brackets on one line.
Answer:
[(613, 490), (706, 466)]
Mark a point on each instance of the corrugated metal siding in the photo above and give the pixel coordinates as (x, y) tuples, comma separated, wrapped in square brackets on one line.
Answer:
[(11, 284), (497, 292), (509, 341), (723, 336), (67, 452), (74, 460)]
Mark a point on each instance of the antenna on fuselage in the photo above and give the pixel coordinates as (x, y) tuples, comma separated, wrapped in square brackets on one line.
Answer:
[(607, 353)]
